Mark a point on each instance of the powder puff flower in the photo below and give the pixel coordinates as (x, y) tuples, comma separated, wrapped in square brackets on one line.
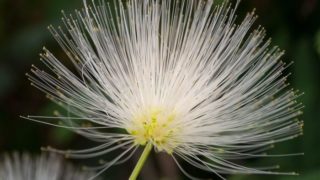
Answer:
[(174, 76), (44, 167)]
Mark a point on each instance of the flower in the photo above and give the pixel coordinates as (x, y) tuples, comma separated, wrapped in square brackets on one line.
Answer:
[(178, 76), (24, 166)]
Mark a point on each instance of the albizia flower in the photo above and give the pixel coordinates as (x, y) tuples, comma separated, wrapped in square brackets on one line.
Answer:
[(179, 77), (24, 166)]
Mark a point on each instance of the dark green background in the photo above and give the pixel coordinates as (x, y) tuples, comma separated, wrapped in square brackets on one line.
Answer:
[(294, 25)]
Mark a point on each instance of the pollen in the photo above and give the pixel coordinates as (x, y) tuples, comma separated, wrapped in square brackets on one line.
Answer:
[(156, 125)]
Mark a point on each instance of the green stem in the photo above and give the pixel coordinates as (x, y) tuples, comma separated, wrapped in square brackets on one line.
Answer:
[(141, 162)]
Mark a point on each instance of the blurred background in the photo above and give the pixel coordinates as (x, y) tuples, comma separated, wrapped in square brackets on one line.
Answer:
[(294, 26)]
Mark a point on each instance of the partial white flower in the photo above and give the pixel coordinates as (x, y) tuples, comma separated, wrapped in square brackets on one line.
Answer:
[(24, 166), (178, 75)]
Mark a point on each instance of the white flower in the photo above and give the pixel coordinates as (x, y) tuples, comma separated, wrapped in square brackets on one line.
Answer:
[(180, 76), (44, 167)]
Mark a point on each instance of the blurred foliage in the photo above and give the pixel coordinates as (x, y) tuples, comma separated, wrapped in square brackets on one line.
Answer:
[(293, 25)]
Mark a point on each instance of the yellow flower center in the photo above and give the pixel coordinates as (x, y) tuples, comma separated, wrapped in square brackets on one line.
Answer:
[(155, 126)]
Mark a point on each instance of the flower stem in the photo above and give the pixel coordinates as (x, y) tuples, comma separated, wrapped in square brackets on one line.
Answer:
[(141, 162)]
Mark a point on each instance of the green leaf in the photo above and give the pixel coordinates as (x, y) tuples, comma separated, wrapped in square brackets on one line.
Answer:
[(314, 175)]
